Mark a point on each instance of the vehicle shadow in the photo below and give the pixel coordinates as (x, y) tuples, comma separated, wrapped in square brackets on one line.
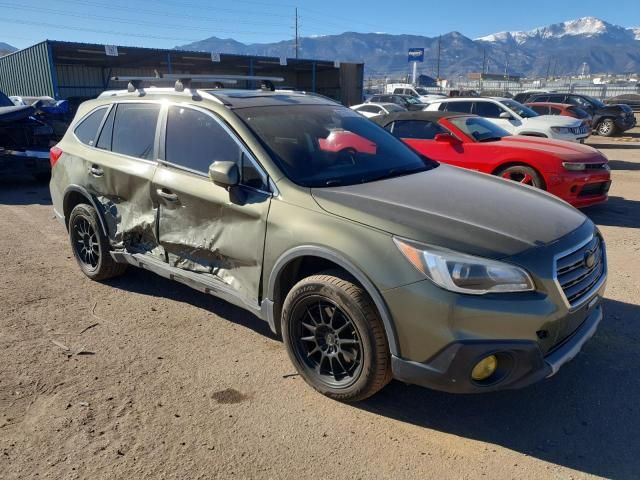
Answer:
[(16, 190), (624, 165), (147, 283), (585, 418), (616, 146), (617, 212)]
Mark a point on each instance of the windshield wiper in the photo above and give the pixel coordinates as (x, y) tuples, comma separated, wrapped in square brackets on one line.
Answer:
[(395, 172), (490, 139)]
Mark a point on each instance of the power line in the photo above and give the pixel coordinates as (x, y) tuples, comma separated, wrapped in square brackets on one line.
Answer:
[(125, 21), (93, 30), (164, 14)]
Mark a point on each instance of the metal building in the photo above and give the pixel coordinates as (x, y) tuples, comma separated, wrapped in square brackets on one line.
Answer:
[(77, 71)]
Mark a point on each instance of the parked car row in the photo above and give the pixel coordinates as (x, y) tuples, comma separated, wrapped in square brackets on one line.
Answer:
[(371, 259), (606, 119)]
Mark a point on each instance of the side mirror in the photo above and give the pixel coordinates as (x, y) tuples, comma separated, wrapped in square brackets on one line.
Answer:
[(447, 138), (506, 116), (224, 174)]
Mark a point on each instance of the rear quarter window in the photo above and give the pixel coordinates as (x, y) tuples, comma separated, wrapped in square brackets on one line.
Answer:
[(87, 129)]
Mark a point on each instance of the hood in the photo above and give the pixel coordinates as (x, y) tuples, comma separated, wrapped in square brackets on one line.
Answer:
[(615, 107), (557, 148), (458, 209), (553, 121)]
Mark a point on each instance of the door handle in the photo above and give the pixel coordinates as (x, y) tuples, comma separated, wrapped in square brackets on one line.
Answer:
[(96, 171), (172, 197)]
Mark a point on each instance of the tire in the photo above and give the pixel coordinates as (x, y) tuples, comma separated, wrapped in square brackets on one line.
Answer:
[(606, 128), (335, 337), (522, 174), (90, 245)]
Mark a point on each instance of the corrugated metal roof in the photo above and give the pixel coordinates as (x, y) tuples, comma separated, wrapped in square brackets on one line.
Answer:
[(27, 72)]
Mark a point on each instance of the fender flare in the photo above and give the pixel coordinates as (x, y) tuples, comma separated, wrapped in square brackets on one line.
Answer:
[(349, 267), (83, 191)]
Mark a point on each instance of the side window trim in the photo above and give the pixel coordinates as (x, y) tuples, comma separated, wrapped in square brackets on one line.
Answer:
[(101, 127), (162, 138)]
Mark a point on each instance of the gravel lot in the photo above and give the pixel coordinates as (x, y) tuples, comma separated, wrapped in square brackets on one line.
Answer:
[(160, 381)]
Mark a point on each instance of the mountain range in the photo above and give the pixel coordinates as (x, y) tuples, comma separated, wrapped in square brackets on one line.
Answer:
[(566, 48), (5, 49)]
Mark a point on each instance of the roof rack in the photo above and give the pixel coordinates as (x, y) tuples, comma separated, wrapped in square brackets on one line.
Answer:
[(182, 81)]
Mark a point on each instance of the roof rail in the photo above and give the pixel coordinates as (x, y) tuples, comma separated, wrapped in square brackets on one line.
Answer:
[(182, 81)]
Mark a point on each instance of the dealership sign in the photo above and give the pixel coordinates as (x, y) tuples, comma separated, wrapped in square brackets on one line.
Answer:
[(416, 55)]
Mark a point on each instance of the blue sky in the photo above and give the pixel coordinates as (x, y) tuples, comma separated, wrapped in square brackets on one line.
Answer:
[(167, 23)]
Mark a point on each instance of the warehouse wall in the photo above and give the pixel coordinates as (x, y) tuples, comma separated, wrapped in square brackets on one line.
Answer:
[(27, 72)]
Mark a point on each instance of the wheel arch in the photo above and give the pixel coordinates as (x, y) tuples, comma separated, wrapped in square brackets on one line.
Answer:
[(286, 272), (513, 163), (74, 195)]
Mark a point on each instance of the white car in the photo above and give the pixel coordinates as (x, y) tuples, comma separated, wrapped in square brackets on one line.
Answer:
[(420, 93), (370, 110), (516, 118)]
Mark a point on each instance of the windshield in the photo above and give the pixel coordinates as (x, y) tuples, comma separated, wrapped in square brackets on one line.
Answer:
[(392, 107), (597, 103), (524, 112), (480, 129), (414, 100), (327, 145)]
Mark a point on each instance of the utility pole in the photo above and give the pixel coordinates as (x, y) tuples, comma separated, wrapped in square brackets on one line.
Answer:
[(438, 67), (297, 39), (484, 60), (548, 68)]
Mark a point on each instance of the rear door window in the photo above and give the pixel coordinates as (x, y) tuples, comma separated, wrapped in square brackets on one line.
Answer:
[(460, 107), (488, 110), (417, 129), (134, 130), (87, 130)]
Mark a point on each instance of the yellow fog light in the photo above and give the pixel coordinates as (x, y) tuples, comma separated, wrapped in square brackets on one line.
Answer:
[(484, 368)]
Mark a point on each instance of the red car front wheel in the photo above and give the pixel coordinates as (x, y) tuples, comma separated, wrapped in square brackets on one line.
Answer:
[(522, 174)]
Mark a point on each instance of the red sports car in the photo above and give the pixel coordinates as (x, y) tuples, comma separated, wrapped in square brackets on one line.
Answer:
[(578, 174)]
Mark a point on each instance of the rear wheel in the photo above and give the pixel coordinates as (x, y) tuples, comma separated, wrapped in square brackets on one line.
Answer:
[(335, 337), (90, 245), (606, 128), (522, 174)]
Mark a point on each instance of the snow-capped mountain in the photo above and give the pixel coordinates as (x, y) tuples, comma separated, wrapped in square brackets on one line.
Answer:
[(587, 27), (560, 49)]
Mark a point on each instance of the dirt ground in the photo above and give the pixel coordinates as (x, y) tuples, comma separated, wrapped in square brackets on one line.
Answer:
[(144, 378)]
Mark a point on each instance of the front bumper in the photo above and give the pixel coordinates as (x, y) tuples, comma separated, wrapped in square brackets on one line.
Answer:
[(450, 370), (442, 335), (626, 122), (581, 189)]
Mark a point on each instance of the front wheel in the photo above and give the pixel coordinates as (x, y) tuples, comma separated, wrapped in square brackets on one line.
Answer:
[(606, 128), (335, 338), (522, 174)]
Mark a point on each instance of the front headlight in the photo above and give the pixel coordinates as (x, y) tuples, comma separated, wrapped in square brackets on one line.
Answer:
[(463, 273), (561, 130), (574, 166)]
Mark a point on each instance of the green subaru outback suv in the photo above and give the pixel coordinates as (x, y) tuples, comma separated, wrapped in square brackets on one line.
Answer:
[(371, 261)]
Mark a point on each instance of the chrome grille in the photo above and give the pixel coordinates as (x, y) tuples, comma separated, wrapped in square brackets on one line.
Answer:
[(581, 130), (575, 274)]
